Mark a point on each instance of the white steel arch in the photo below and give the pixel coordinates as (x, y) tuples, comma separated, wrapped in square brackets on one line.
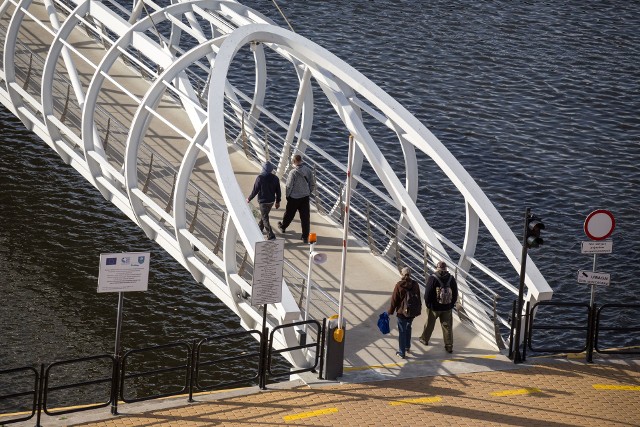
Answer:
[(208, 132)]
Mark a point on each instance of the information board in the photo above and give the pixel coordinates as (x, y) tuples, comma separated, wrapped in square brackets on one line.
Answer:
[(267, 272), (597, 247), (124, 272), (594, 278)]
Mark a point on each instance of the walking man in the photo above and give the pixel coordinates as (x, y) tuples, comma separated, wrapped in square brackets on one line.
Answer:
[(406, 303), (299, 187), (440, 297), (267, 188)]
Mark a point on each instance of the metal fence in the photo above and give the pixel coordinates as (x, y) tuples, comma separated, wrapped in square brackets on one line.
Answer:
[(583, 328), (193, 369)]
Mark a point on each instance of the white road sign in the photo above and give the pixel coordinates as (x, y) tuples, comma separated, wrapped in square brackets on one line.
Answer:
[(594, 278), (267, 272), (124, 272), (599, 224), (601, 247)]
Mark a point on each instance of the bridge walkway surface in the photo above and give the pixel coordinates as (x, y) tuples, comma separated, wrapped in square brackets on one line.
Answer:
[(556, 391), (369, 279)]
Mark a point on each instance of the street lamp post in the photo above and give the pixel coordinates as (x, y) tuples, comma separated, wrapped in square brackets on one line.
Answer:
[(314, 258)]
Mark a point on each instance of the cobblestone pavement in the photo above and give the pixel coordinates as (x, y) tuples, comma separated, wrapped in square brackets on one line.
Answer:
[(558, 392)]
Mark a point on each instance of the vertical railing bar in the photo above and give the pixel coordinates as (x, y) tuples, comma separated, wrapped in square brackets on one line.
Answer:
[(63, 116), (195, 214), (27, 80), (372, 243), (316, 198), (266, 144), (40, 392), (219, 239), (243, 264), (243, 135), (105, 143), (145, 188), (173, 189), (397, 248)]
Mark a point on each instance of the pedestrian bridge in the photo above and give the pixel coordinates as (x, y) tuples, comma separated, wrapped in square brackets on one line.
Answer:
[(169, 112)]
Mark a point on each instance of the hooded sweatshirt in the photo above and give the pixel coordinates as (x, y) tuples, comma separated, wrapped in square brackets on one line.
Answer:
[(267, 186), (399, 293)]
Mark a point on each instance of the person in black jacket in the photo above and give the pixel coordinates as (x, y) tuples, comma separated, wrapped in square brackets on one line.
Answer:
[(440, 279), (405, 285), (267, 188)]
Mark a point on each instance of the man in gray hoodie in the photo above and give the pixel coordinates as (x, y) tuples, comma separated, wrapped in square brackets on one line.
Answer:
[(300, 185), (267, 188)]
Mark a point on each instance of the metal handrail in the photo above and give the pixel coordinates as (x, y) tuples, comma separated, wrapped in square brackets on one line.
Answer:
[(33, 392), (600, 328), (315, 345), (48, 389), (124, 376), (556, 327), (245, 355)]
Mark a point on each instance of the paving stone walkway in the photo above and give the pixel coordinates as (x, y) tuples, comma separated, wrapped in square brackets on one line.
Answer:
[(543, 392)]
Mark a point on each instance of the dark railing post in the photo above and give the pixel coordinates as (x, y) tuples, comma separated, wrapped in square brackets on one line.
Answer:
[(192, 370), (262, 367), (115, 385), (591, 332), (40, 391), (322, 340), (527, 315), (513, 323), (517, 357)]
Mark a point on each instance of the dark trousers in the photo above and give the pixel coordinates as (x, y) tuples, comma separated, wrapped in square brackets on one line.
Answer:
[(302, 207), (446, 322), (404, 334), (264, 223)]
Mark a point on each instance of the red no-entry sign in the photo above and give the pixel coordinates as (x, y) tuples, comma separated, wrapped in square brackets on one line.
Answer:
[(599, 224)]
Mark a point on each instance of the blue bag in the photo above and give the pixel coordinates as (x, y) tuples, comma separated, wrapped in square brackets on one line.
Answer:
[(383, 323)]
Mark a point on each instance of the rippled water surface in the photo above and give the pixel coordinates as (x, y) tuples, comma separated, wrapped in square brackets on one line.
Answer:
[(539, 102)]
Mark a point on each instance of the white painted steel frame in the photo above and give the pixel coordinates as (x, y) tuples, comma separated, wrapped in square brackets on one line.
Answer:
[(342, 85)]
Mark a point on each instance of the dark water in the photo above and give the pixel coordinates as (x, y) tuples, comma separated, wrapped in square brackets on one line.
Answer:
[(539, 102)]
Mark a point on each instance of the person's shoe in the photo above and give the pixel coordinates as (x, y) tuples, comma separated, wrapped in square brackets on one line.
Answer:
[(423, 341), (281, 228), (401, 355), (449, 349), (304, 239), (407, 350), (272, 237)]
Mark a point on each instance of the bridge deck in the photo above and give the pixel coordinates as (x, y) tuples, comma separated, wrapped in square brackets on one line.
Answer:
[(369, 280)]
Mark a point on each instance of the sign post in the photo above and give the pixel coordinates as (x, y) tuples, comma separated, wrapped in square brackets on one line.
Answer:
[(598, 226), (122, 272), (267, 287)]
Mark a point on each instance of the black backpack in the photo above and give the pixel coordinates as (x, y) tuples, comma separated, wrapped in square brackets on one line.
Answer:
[(411, 306)]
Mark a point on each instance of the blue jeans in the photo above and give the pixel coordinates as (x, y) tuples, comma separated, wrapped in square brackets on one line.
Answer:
[(404, 337)]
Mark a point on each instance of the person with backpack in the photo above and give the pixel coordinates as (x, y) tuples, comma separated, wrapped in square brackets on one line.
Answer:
[(267, 188), (299, 187), (440, 297), (407, 304)]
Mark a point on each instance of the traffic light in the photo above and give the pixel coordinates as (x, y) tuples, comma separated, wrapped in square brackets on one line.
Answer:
[(534, 225)]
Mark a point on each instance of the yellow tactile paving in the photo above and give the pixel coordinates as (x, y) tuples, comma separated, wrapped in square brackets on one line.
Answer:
[(616, 387), (310, 414), (557, 393), (516, 392)]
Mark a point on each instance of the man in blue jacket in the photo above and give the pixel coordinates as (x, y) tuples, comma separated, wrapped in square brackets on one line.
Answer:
[(440, 296), (267, 188)]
